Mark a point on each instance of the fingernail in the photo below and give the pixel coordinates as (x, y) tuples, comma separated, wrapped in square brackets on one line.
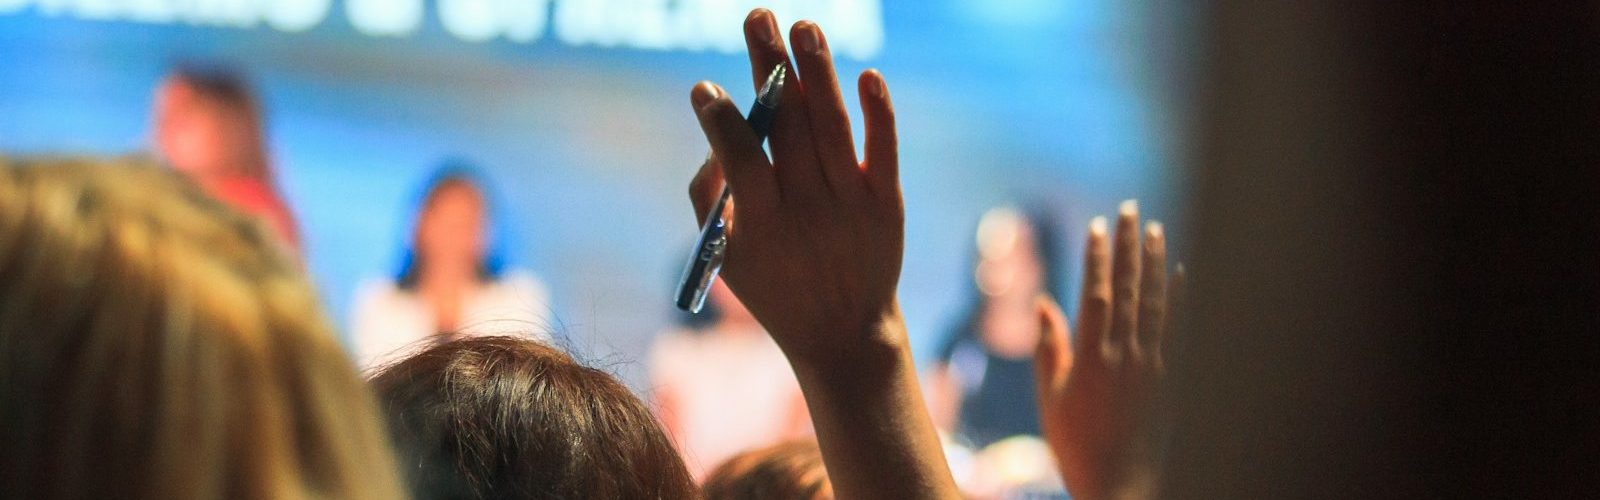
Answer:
[(703, 95), (1153, 229), (1129, 208), (766, 30), (877, 88), (805, 38), (1097, 226)]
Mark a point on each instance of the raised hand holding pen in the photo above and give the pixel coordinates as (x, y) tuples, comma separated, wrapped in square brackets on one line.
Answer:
[(814, 250), (706, 259)]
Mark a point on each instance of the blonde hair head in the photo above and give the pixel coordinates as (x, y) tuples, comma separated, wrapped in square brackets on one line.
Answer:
[(154, 344)]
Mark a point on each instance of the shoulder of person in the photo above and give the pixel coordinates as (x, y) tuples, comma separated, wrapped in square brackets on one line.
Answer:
[(521, 281), (672, 348), (378, 291), (520, 276), (674, 340)]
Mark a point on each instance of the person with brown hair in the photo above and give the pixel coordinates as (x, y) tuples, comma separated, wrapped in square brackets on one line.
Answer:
[(509, 417), (453, 278), (790, 470), (207, 125), (816, 265), (155, 344), (979, 389)]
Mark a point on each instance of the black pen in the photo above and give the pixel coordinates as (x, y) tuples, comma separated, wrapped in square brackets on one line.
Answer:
[(706, 260)]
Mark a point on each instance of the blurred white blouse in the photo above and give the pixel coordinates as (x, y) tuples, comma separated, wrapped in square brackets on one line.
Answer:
[(389, 323), (724, 394)]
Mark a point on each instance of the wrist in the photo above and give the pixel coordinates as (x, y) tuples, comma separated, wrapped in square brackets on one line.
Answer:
[(1131, 481), (876, 342), (1137, 485)]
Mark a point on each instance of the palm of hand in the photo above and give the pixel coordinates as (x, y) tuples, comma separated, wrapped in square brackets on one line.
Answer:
[(1099, 397), (1101, 419)]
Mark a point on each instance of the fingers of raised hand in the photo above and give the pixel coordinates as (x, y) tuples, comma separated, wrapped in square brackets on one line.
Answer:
[(1176, 287), (1125, 279), (1094, 305), (791, 138), (749, 175), (1125, 304), (1153, 298), (767, 51), (824, 105), (882, 149), (1052, 359)]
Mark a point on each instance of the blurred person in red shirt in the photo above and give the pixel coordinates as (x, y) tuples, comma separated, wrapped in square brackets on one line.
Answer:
[(207, 125)]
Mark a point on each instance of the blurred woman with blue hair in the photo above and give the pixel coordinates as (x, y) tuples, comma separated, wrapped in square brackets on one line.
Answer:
[(452, 279)]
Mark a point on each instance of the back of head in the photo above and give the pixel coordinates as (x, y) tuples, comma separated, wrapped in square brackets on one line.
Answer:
[(502, 417), (154, 344), (788, 471)]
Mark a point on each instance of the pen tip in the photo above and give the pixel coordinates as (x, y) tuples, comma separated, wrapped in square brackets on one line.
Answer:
[(772, 88)]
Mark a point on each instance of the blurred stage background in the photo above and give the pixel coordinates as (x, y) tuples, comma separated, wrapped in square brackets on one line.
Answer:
[(579, 112)]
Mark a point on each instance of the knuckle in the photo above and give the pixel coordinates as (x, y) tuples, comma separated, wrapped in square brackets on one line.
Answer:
[(696, 185), (1111, 355), (1153, 309), (1126, 294), (1097, 299), (1132, 355)]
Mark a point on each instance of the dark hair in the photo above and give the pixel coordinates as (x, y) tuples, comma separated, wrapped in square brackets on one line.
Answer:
[(1047, 243), (791, 470), (505, 417), (227, 87), (453, 172), (217, 81)]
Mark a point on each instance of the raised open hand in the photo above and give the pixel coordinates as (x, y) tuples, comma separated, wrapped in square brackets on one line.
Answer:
[(815, 237), (815, 241), (1100, 397)]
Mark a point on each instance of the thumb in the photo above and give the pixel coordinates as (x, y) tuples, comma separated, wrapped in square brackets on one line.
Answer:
[(706, 187), (1052, 359)]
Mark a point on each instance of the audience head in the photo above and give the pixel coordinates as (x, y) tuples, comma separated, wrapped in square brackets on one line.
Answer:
[(154, 344), (207, 124), (1017, 255), (452, 228), (504, 417), (786, 471)]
